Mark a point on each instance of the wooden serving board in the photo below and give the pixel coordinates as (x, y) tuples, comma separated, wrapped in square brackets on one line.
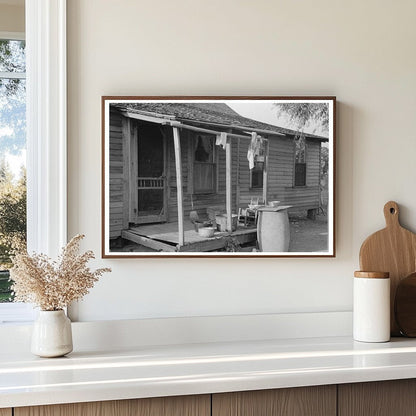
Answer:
[(392, 250)]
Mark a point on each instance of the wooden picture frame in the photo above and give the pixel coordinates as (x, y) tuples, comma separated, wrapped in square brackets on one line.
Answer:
[(218, 176)]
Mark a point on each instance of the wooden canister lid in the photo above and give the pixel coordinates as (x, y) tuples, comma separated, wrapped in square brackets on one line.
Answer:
[(372, 275)]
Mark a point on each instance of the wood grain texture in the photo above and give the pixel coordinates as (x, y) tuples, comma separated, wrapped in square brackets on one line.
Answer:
[(161, 406), (116, 169), (392, 250), (5, 412), (405, 306), (383, 398), (317, 401)]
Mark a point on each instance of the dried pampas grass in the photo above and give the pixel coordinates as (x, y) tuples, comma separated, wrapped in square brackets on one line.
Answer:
[(53, 285)]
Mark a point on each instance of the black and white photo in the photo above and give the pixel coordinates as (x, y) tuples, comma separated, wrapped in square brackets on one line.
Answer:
[(208, 176)]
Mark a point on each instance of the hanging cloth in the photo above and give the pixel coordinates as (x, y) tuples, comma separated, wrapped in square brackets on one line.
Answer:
[(254, 149), (221, 140)]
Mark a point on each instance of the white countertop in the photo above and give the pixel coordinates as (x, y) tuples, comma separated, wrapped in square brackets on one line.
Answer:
[(150, 371)]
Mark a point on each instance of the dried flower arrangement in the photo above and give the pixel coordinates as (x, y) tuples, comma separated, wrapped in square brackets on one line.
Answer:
[(53, 285)]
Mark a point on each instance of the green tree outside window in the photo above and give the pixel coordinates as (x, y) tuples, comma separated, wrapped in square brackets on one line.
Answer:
[(12, 151)]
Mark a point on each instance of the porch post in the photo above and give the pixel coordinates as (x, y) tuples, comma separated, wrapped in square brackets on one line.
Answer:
[(126, 144), (266, 172), (228, 185), (320, 209), (237, 190), (179, 189), (134, 173)]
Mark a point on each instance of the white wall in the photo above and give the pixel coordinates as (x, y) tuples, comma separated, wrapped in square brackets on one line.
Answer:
[(361, 51)]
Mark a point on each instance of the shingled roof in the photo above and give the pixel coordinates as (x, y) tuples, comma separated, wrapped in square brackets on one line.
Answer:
[(206, 113)]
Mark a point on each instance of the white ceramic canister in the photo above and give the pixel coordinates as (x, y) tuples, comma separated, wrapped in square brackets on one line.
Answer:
[(371, 314)]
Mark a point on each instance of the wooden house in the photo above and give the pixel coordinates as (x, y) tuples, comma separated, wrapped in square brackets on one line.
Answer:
[(168, 159)]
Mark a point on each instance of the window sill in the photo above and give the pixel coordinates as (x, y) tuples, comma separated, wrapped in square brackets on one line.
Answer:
[(16, 313)]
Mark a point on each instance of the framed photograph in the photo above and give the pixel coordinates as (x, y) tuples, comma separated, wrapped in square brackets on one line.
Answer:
[(218, 176)]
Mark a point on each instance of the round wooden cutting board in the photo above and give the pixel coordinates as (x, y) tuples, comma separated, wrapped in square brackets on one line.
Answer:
[(392, 250), (405, 305)]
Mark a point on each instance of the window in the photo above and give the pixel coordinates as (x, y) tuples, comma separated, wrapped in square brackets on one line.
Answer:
[(46, 134), (300, 161), (12, 155), (204, 164), (256, 174)]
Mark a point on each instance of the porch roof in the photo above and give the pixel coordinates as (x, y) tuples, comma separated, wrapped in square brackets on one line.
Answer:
[(213, 114)]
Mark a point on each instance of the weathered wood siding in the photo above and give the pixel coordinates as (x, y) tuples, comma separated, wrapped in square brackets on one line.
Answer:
[(306, 197), (201, 201), (116, 176), (280, 175)]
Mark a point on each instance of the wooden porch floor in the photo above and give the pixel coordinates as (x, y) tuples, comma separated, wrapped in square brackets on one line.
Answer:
[(165, 237)]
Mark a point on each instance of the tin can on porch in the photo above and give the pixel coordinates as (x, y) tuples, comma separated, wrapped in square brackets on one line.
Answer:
[(221, 221)]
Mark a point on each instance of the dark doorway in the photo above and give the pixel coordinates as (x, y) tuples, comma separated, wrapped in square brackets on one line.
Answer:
[(151, 174)]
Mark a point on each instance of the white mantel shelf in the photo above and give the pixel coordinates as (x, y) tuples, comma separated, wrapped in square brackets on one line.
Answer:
[(151, 371)]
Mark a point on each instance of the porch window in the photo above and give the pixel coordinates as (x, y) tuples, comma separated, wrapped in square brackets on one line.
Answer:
[(256, 174), (204, 164), (300, 161)]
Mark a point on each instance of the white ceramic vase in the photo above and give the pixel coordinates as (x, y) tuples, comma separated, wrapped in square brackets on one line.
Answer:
[(52, 334)]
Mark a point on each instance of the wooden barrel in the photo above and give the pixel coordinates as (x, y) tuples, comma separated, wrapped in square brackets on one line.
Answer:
[(273, 230)]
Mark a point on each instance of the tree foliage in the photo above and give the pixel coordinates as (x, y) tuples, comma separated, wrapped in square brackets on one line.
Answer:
[(12, 98), (12, 213), (12, 56), (302, 115), (12, 142)]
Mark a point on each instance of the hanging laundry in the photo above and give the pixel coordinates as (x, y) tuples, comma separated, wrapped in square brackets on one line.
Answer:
[(254, 149), (221, 140)]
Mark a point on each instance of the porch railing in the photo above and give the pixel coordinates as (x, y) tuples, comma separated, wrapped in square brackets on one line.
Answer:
[(150, 183)]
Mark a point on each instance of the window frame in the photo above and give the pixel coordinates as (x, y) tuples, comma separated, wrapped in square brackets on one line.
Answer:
[(46, 125), (295, 163), (17, 312), (262, 173), (46, 137)]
